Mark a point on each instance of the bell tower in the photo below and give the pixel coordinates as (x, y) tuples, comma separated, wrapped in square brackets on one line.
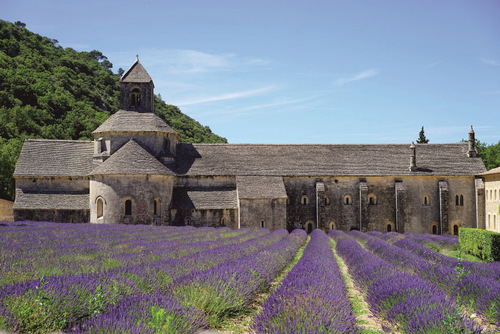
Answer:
[(136, 89)]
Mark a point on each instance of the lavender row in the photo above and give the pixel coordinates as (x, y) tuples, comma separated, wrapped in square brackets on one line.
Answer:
[(469, 289), (410, 303), (312, 297), (62, 301), (488, 270), (30, 252), (204, 297)]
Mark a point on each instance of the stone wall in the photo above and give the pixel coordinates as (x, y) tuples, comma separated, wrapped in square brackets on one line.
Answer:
[(268, 213), (61, 216), (141, 190), (492, 211), (53, 184), (6, 211), (211, 218), (407, 204)]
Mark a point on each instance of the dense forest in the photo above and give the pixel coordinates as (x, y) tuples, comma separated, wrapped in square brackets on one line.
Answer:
[(51, 92)]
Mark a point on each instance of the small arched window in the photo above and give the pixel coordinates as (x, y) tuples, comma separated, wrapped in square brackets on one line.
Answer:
[(187, 220), (347, 200), (100, 207), (304, 200), (223, 221), (461, 200), (327, 200), (262, 223), (128, 207), (426, 200), (455, 229), (372, 199), (135, 97), (332, 226), (389, 228), (489, 221)]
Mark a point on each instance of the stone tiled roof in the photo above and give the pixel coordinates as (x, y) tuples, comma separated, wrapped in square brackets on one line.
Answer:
[(492, 171), (131, 159), (44, 201), (204, 199), (55, 158), (260, 187), (325, 160), (132, 121), (136, 73)]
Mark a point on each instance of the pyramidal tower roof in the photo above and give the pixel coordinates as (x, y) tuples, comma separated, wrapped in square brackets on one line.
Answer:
[(136, 73)]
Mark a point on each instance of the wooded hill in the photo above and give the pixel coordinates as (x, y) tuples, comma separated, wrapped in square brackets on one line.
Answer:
[(51, 92)]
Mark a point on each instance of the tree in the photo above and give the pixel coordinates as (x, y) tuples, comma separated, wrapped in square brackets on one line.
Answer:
[(421, 137)]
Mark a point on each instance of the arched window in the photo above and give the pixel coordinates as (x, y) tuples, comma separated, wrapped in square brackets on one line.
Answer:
[(389, 228), (494, 222), (223, 221), (135, 97), (455, 229), (100, 207), (327, 200), (128, 207), (461, 200), (332, 226), (434, 228), (426, 200), (489, 221), (372, 199), (457, 201), (156, 207), (304, 200), (187, 220), (347, 200), (262, 223), (309, 226)]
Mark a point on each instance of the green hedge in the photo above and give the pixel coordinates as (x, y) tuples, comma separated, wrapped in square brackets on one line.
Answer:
[(481, 243)]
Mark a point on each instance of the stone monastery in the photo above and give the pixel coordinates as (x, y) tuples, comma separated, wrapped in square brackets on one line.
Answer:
[(136, 172)]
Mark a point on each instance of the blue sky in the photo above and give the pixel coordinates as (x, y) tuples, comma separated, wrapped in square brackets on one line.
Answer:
[(292, 71)]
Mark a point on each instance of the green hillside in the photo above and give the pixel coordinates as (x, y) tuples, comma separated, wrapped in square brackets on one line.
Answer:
[(51, 92)]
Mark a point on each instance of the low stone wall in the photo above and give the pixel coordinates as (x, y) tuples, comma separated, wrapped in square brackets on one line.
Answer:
[(6, 210)]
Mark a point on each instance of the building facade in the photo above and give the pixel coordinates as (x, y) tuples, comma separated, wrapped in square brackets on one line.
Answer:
[(492, 197), (136, 172)]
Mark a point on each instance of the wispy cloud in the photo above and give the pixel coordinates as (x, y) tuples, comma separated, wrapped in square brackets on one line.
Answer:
[(359, 76), (491, 62), (432, 64), (227, 96), (179, 61)]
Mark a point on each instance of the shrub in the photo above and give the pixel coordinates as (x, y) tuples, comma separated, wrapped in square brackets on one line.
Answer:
[(481, 243)]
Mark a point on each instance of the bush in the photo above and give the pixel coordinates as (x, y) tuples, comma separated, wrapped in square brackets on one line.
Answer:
[(481, 243)]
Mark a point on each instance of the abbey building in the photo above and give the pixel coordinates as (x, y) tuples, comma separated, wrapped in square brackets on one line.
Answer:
[(136, 172)]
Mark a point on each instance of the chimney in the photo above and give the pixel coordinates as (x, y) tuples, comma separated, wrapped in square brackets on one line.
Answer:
[(472, 144), (413, 158)]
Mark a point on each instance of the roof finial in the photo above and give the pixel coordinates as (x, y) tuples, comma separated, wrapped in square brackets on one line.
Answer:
[(137, 57)]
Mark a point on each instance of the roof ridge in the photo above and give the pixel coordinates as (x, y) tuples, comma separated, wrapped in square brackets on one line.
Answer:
[(60, 140)]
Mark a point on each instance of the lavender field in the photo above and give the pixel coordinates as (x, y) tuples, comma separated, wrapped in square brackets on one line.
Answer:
[(82, 278)]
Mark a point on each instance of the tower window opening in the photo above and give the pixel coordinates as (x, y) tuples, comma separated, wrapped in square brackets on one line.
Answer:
[(135, 97), (262, 223)]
